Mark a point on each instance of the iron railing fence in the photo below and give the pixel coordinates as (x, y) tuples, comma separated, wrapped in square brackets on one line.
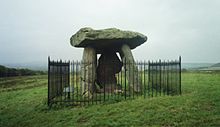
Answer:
[(75, 83), (58, 79)]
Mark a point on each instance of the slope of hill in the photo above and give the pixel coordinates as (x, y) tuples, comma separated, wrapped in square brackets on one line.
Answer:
[(36, 66), (216, 65), (8, 72)]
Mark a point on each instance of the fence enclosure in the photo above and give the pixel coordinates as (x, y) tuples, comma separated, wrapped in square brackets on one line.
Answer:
[(58, 79), (66, 85)]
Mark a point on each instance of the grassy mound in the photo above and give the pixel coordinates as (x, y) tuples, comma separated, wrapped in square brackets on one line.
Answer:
[(199, 105)]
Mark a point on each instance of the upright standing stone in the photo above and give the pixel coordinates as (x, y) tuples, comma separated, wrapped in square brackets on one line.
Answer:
[(88, 71), (131, 69), (109, 64)]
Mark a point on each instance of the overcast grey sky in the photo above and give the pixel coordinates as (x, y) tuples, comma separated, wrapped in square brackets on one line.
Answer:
[(30, 30)]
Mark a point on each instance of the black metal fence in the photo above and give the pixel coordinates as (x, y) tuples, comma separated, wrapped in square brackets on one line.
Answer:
[(67, 85), (58, 79), (164, 77)]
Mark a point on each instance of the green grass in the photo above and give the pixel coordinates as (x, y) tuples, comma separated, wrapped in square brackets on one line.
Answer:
[(199, 105), (22, 82)]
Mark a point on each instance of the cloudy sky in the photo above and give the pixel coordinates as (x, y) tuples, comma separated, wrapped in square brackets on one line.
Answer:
[(31, 30)]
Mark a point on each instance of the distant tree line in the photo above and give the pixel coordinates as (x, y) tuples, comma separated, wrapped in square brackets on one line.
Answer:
[(8, 72)]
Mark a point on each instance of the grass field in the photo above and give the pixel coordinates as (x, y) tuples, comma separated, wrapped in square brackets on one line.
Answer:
[(23, 102)]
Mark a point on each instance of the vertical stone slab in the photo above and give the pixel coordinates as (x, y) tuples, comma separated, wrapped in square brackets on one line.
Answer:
[(108, 65), (88, 71), (130, 68)]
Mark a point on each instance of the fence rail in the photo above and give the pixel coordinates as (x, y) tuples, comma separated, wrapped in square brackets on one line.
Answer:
[(67, 86)]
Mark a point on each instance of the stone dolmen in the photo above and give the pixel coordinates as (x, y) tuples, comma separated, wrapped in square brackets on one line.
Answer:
[(107, 42)]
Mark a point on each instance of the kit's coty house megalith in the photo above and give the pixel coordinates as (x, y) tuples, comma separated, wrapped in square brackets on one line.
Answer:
[(107, 42)]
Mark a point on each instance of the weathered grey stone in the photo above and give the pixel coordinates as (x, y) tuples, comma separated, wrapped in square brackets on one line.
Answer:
[(88, 71), (107, 38), (131, 68), (108, 65)]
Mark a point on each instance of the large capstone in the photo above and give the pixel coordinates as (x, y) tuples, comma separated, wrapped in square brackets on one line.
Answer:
[(111, 38)]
